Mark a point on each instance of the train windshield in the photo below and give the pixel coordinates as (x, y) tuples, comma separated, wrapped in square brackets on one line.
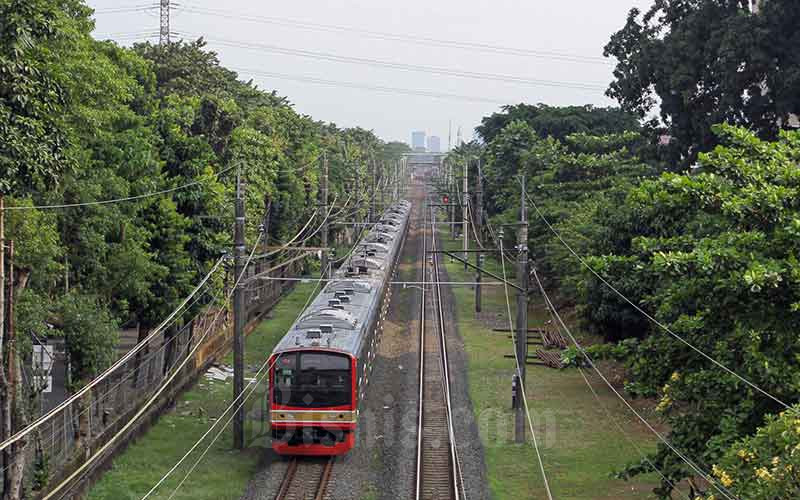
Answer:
[(312, 380)]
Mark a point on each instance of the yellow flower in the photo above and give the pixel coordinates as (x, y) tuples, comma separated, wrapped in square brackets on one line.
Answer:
[(763, 474), (776, 460), (723, 476), (675, 376)]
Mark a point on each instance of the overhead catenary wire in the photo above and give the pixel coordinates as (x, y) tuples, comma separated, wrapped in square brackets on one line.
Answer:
[(108, 371), (119, 200), (110, 390), (252, 386), (699, 470), (630, 440), (406, 38), (556, 323), (127, 9), (316, 55), (522, 382), (374, 88), (648, 316), (319, 281), (82, 469)]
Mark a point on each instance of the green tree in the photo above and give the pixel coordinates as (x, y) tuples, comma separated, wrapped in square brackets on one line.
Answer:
[(558, 122), (702, 62), (713, 256)]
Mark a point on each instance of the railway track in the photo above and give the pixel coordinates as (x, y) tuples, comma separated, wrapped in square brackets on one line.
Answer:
[(438, 469), (306, 479)]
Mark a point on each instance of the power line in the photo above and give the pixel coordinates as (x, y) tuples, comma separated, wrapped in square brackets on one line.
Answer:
[(256, 380), (401, 66), (648, 316), (418, 40), (75, 397), (81, 470), (376, 88), (127, 9), (706, 476), (118, 200), (521, 381), (627, 437)]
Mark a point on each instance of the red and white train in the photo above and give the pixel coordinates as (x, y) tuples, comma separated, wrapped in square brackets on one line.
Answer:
[(321, 367)]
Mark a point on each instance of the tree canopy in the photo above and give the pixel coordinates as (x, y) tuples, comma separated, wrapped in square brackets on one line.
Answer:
[(702, 62)]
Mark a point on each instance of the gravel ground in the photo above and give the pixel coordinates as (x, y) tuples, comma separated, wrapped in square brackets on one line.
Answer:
[(383, 463), (265, 483)]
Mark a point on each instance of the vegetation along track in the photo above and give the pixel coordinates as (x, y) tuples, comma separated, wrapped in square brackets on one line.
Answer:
[(438, 469), (306, 479)]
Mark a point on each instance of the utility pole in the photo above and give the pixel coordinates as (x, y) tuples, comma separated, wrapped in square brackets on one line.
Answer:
[(371, 174), (451, 183), (478, 218), (324, 208), (163, 37), (381, 173), (396, 181), (522, 316), (465, 213), (238, 315)]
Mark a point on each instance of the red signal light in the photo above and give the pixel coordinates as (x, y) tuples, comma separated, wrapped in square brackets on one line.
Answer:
[(445, 199)]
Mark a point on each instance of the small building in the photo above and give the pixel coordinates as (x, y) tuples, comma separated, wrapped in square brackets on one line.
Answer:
[(434, 144), (418, 141)]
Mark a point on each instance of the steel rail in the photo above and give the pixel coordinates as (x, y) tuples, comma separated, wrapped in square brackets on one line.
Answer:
[(298, 479), (418, 487), (456, 466), (287, 480)]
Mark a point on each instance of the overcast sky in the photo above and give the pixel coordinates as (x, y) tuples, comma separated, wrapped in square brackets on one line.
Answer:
[(542, 30)]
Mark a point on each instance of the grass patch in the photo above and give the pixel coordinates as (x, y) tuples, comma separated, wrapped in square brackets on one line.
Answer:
[(580, 447), (224, 472)]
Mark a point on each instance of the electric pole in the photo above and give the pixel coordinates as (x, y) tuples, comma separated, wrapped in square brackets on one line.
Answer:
[(478, 218), (381, 169), (522, 316), (453, 196), (163, 37), (357, 213), (465, 213), (238, 315), (371, 174), (325, 224)]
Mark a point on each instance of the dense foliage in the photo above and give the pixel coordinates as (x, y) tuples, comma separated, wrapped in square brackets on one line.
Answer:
[(557, 122), (83, 120), (711, 253), (702, 62)]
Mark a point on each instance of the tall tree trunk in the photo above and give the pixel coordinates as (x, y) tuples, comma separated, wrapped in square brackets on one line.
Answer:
[(5, 365), (15, 411), (2, 280)]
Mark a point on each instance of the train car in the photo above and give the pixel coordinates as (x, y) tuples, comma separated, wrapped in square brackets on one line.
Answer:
[(321, 367)]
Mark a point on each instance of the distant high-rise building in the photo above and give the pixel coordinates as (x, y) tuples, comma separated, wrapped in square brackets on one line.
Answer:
[(434, 144), (418, 141)]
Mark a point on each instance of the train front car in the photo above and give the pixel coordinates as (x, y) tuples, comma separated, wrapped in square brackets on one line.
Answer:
[(321, 367)]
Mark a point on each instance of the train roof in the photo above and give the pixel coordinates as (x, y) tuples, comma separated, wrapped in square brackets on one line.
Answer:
[(337, 318)]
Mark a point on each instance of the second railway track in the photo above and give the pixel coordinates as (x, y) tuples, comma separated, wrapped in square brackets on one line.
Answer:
[(306, 479), (438, 468)]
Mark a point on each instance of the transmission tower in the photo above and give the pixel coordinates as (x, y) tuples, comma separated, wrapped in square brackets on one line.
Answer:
[(164, 33)]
